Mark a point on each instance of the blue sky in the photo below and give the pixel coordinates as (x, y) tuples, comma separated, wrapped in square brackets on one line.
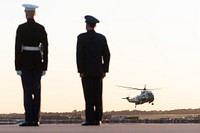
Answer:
[(151, 41)]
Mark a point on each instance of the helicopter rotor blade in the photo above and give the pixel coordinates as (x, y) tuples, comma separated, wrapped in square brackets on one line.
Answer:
[(154, 89), (129, 87)]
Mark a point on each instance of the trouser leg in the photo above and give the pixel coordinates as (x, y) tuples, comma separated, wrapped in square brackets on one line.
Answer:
[(92, 87), (98, 99), (31, 87), (37, 96), (28, 101), (89, 99)]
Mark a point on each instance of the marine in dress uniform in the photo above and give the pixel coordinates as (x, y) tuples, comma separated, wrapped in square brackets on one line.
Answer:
[(93, 58), (31, 58)]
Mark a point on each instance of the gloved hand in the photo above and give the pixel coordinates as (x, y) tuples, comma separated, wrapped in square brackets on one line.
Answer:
[(43, 73), (19, 72)]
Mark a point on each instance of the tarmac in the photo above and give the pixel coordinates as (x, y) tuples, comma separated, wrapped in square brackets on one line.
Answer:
[(105, 128)]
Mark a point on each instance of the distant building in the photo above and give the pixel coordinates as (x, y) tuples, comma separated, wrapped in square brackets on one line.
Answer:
[(189, 118)]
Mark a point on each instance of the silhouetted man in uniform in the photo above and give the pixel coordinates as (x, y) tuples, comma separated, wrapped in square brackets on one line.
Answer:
[(93, 58), (31, 58)]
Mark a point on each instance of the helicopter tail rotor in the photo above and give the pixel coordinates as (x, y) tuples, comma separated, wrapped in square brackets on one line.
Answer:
[(127, 98), (145, 86)]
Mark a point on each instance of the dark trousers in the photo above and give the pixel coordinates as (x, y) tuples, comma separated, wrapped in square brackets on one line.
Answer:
[(92, 87), (32, 94)]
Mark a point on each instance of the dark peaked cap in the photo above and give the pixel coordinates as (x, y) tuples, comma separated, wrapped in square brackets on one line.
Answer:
[(91, 19)]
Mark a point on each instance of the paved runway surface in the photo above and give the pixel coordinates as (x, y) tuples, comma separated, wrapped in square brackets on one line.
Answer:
[(106, 128)]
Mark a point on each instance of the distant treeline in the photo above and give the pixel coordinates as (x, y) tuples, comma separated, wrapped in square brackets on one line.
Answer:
[(76, 113), (154, 112)]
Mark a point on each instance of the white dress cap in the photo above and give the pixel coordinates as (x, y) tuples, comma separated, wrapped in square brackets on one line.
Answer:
[(29, 7)]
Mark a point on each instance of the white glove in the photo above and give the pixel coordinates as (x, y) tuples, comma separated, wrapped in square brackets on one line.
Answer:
[(19, 72), (43, 73)]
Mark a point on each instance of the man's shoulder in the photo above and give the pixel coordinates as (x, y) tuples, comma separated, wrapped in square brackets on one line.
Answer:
[(100, 35), (40, 25), (87, 33), (26, 24), (82, 34), (22, 25)]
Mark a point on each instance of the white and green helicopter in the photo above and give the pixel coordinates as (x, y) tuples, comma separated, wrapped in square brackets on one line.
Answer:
[(145, 96)]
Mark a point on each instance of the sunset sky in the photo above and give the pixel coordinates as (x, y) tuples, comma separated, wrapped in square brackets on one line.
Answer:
[(153, 42)]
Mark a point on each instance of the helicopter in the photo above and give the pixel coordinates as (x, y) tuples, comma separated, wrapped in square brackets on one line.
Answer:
[(146, 96)]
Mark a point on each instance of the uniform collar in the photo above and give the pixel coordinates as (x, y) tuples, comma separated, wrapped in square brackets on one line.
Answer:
[(30, 20), (92, 30)]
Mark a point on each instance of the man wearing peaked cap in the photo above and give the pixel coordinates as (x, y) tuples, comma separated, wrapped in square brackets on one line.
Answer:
[(93, 58), (91, 20), (31, 59), (29, 7)]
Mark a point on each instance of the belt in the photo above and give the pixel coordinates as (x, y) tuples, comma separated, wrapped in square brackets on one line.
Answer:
[(30, 48), (35, 49)]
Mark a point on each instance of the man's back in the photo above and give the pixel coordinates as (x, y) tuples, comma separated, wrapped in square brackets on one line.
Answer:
[(92, 54), (30, 34)]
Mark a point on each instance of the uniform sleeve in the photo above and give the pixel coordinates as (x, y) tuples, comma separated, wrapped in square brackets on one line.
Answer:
[(79, 55), (18, 44), (45, 49), (106, 56)]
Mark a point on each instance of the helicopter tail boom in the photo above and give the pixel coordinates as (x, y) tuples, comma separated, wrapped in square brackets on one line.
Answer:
[(127, 98)]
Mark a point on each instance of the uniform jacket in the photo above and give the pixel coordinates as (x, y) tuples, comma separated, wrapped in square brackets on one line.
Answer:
[(30, 34), (93, 54)]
